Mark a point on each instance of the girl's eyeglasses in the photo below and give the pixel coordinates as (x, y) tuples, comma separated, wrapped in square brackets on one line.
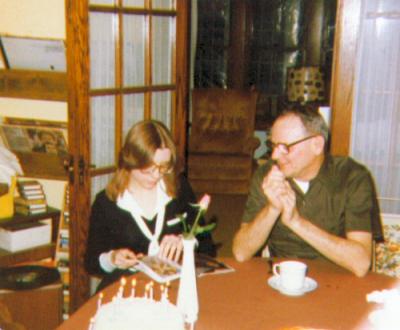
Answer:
[(161, 169)]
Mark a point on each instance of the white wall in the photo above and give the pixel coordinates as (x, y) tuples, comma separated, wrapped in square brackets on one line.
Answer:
[(33, 18), (39, 19)]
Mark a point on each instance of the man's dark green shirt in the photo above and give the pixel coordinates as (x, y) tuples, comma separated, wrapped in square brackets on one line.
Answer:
[(340, 199)]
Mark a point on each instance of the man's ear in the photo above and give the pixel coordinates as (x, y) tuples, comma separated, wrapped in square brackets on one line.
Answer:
[(318, 145)]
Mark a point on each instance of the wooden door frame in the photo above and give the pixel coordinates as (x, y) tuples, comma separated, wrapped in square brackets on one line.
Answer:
[(343, 74), (182, 68), (77, 18)]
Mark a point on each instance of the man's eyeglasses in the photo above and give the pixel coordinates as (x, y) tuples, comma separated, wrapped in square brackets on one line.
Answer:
[(285, 147), (161, 169)]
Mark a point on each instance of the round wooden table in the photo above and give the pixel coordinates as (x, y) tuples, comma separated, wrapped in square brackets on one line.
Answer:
[(243, 299)]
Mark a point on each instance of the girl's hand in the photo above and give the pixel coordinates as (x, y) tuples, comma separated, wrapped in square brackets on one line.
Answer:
[(171, 247), (124, 258)]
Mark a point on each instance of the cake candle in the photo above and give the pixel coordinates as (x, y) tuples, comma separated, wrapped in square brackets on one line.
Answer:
[(91, 324), (166, 290), (162, 293), (133, 290), (99, 300), (121, 288), (151, 290)]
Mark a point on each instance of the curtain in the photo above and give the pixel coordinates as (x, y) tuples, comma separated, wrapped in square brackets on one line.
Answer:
[(103, 28), (376, 116)]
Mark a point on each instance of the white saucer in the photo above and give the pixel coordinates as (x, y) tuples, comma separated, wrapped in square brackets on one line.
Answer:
[(309, 285)]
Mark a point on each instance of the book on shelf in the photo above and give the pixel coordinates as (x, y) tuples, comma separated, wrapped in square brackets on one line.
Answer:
[(31, 192), (31, 203), (21, 209), (63, 239), (62, 258), (26, 235), (31, 189), (24, 201), (29, 185), (33, 196), (32, 207)]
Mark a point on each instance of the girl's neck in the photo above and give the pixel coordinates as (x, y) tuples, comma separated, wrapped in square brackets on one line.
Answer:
[(146, 198)]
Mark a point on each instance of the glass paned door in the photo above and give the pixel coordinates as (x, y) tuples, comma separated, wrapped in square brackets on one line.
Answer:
[(102, 50), (163, 32), (132, 72), (127, 61), (134, 47)]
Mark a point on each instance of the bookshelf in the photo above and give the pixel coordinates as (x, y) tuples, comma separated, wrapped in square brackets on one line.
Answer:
[(42, 76), (36, 85), (62, 252), (8, 258)]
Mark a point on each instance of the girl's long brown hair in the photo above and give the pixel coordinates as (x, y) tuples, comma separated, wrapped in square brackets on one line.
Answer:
[(140, 145)]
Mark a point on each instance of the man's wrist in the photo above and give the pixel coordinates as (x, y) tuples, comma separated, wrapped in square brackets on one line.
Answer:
[(270, 209), (296, 222)]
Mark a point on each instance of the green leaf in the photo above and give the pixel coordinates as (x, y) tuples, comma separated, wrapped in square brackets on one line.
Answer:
[(196, 206), (204, 229), (182, 219)]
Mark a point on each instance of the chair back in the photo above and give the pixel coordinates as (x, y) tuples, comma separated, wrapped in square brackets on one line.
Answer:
[(222, 121)]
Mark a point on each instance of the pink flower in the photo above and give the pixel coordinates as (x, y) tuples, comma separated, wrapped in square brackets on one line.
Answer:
[(204, 202), (201, 206)]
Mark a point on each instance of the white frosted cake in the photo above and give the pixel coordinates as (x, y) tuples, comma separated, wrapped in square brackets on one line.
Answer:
[(137, 313), (387, 317)]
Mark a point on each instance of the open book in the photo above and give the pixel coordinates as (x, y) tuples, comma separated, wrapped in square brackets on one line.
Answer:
[(163, 270), (160, 270)]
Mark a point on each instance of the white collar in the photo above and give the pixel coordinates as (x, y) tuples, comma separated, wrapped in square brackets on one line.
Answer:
[(128, 203), (303, 185)]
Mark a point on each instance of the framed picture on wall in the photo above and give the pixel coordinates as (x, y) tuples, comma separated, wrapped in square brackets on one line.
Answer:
[(33, 139), (40, 146)]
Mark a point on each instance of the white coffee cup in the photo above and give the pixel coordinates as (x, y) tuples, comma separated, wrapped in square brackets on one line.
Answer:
[(291, 274)]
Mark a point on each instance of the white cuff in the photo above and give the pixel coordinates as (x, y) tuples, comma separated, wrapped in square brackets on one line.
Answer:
[(105, 262)]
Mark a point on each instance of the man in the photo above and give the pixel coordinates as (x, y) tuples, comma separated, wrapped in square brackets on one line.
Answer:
[(305, 203)]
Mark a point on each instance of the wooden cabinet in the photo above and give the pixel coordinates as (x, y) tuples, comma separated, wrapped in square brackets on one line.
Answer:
[(8, 258), (38, 309)]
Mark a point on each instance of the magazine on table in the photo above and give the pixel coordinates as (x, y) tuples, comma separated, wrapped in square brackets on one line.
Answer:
[(206, 265)]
